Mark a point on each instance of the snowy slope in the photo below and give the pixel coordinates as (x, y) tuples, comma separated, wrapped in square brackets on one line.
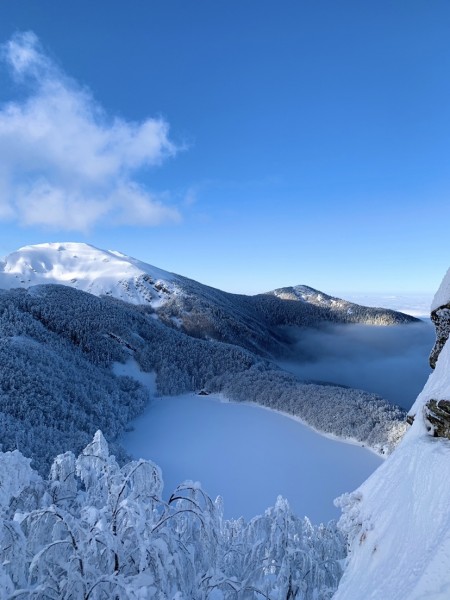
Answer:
[(442, 296), (88, 269), (399, 519)]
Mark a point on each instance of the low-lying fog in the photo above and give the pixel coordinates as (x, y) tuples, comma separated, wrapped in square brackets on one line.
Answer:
[(390, 361)]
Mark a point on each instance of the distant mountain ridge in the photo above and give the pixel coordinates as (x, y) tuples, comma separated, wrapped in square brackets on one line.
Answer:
[(253, 322)]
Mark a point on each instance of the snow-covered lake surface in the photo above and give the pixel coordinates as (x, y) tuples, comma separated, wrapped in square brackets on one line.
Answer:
[(248, 455)]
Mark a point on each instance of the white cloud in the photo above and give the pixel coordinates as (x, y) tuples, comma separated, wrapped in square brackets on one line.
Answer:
[(138, 209), (65, 164), (22, 52)]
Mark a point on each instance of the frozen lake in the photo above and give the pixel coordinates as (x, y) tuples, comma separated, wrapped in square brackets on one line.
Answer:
[(248, 455)]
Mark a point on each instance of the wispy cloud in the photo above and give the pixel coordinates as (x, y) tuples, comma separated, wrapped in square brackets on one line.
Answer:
[(67, 164)]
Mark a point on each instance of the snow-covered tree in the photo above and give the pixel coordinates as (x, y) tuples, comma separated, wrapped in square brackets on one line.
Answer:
[(95, 530)]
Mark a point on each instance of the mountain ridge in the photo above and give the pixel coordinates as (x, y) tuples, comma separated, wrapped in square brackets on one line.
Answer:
[(25, 265), (256, 323)]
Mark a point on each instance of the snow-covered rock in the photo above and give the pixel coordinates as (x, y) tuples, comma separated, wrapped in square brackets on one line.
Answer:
[(86, 268), (398, 521), (440, 315), (442, 296)]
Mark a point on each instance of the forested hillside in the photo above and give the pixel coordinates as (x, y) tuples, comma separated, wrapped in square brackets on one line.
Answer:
[(57, 386)]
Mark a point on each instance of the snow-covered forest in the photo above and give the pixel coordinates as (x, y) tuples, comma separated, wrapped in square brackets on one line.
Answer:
[(95, 530), (57, 386)]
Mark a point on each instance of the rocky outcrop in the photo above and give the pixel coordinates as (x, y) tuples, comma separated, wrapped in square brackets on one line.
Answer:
[(437, 417), (436, 413), (410, 419), (441, 320)]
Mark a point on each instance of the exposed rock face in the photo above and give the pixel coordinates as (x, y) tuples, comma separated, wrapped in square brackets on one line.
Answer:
[(436, 413), (410, 419), (437, 417), (441, 320)]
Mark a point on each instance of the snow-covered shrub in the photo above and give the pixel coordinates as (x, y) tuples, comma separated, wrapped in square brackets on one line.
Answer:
[(96, 530)]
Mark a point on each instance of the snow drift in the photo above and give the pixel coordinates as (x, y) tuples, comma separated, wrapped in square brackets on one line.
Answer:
[(398, 521)]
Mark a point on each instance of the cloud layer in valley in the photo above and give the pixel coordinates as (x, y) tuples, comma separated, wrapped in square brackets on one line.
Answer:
[(66, 164), (390, 361)]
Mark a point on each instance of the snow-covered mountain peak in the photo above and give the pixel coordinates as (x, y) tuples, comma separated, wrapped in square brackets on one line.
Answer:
[(304, 293), (87, 268)]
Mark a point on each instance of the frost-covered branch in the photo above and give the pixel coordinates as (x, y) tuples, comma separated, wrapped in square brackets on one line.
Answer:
[(83, 550)]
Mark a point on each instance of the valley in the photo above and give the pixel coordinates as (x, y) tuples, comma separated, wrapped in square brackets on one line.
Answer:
[(92, 339), (64, 342), (389, 361)]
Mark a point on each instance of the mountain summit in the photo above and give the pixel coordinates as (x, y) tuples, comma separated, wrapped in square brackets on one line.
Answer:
[(87, 268)]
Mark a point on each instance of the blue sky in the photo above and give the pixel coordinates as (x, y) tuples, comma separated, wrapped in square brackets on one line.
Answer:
[(246, 144)]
